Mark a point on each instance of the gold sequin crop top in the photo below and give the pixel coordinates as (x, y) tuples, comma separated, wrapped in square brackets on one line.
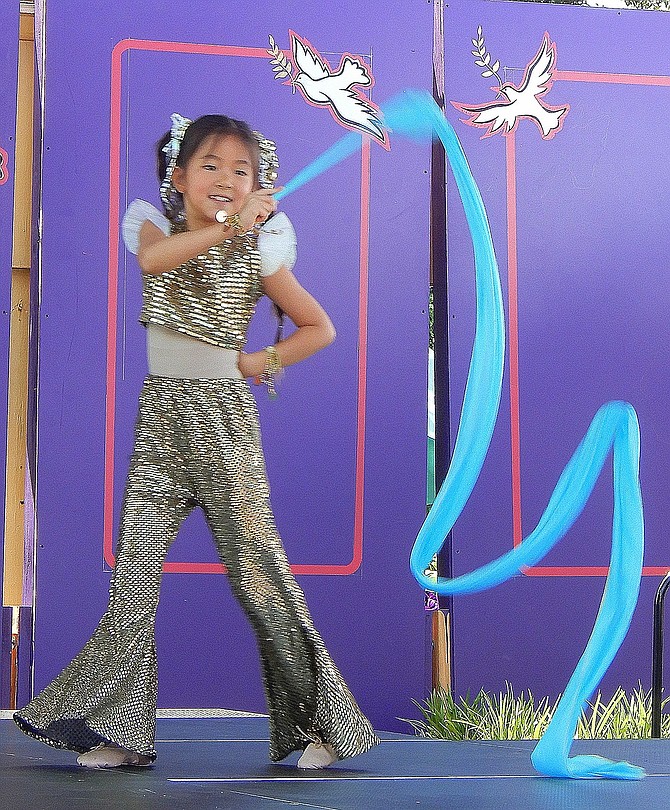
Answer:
[(211, 297)]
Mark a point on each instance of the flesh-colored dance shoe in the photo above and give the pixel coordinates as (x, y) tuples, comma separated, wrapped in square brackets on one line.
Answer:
[(317, 755), (112, 756)]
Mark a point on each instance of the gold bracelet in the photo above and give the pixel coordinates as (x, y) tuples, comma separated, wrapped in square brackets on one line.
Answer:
[(231, 221), (272, 371)]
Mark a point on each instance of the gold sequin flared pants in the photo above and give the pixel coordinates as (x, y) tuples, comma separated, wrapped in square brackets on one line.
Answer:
[(197, 443)]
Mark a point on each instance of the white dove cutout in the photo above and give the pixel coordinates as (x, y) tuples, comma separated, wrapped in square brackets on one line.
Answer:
[(522, 102), (321, 86)]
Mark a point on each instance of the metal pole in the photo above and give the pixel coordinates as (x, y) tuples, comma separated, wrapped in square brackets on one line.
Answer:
[(657, 657), (14, 660)]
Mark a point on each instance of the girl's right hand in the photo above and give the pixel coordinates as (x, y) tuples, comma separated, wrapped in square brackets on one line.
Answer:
[(257, 207)]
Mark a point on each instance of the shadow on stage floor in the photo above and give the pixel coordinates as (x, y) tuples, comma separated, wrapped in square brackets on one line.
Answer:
[(222, 763)]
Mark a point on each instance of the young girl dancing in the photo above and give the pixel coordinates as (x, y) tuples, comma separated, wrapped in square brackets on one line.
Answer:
[(197, 443)]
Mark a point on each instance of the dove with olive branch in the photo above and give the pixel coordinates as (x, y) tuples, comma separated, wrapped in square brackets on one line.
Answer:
[(337, 90), (524, 101)]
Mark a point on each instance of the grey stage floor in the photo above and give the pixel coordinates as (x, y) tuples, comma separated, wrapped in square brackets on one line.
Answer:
[(222, 763)]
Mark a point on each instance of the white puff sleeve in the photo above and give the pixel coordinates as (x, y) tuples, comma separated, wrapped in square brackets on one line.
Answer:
[(277, 244), (139, 211)]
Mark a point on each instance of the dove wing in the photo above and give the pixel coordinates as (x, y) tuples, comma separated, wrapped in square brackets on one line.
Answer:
[(352, 72), (309, 61), (355, 111), (539, 71), (497, 115)]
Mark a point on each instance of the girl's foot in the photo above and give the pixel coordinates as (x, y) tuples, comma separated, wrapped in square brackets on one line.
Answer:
[(317, 755), (111, 756)]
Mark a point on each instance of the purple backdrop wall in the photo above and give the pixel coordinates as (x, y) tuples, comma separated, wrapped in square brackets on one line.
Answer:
[(593, 292), (206, 653), (9, 38)]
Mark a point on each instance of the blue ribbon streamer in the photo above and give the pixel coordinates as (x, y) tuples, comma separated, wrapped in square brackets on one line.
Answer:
[(615, 425)]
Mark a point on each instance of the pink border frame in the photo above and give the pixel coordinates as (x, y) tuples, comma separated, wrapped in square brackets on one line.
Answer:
[(546, 570), (112, 304)]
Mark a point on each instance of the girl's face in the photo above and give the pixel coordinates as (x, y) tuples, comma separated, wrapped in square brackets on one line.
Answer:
[(220, 176)]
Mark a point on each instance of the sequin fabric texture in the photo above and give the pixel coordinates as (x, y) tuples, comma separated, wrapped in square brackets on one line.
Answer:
[(197, 444), (212, 297)]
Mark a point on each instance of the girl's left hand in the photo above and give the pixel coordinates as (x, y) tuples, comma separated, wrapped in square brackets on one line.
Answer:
[(251, 365)]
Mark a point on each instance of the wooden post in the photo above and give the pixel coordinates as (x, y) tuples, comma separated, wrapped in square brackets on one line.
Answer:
[(18, 324), (14, 551), (441, 664)]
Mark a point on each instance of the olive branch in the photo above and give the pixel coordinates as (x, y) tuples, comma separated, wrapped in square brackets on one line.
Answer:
[(483, 58), (282, 67)]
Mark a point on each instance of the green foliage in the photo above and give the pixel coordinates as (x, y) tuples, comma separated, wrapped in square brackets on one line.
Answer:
[(623, 717), (656, 5), (506, 716), (649, 5), (431, 320), (563, 2)]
